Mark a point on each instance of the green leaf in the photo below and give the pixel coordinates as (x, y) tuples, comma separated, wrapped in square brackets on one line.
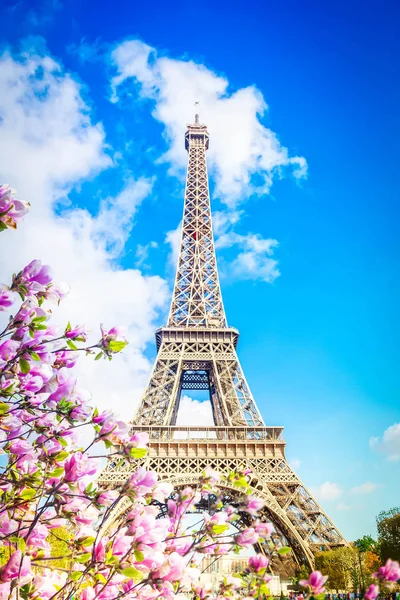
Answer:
[(2, 226), (139, 556), (57, 472), (132, 573), (242, 482), (87, 541), (75, 575), (62, 441), (98, 356), (3, 408), (82, 558), (24, 366), (21, 544), (28, 494), (219, 528), (137, 452), (284, 550), (71, 345), (35, 356), (100, 578), (116, 346), (61, 455)]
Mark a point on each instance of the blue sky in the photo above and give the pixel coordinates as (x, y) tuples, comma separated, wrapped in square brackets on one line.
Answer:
[(94, 141)]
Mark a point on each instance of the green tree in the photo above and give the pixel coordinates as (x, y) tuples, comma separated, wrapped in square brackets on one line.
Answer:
[(59, 539), (365, 545), (388, 524), (342, 567)]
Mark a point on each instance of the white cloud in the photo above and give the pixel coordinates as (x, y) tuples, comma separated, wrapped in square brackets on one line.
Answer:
[(343, 507), (365, 488), (193, 412), (223, 220), (48, 144), (114, 222), (389, 443), (253, 260), (328, 491), (244, 155)]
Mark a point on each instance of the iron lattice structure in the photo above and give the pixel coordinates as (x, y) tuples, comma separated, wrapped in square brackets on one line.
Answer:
[(197, 351)]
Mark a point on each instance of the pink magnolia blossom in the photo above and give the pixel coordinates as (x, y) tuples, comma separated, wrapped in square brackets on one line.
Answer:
[(8, 526), (11, 209), (258, 562), (107, 498), (315, 582), (217, 519), (78, 466), (139, 439), (65, 385), (37, 537), (113, 429), (65, 358), (232, 582), (55, 292), (210, 475), (8, 350), (201, 592), (81, 412), (143, 481), (5, 589), (32, 279), (248, 537), (102, 417), (122, 545), (162, 490), (389, 572), (16, 566), (173, 569), (79, 331), (371, 592), (20, 446), (6, 297), (100, 549), (253, 505), (88, 593), (264, 530), (114, 340), (44, 586)]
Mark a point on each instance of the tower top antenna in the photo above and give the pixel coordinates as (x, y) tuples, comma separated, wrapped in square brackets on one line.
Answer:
[(196, 116)]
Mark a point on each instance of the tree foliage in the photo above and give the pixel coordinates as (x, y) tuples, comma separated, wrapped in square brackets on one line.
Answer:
[(341, 566), (388, 524)]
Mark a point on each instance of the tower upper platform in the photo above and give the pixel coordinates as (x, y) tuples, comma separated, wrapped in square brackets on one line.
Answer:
[(197, 134)]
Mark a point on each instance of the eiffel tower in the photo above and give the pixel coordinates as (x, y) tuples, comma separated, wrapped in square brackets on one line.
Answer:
[(197, 351)]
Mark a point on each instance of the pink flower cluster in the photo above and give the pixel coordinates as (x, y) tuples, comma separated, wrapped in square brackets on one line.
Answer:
[(50, 481)]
